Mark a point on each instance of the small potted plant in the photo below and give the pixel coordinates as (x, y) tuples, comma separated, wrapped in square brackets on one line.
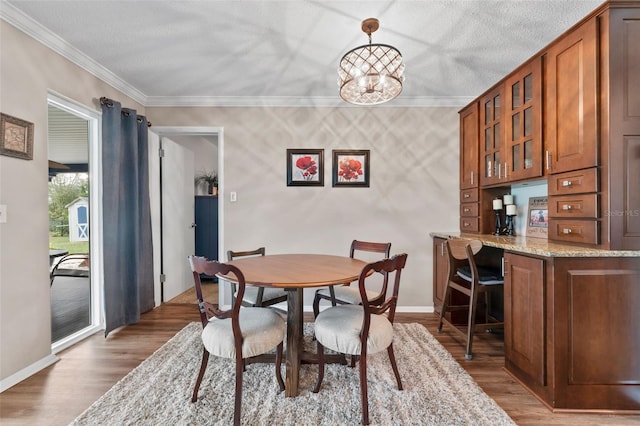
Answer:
[(211, 179)]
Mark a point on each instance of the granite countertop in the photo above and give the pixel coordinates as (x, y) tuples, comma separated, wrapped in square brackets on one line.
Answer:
[(537, 246)]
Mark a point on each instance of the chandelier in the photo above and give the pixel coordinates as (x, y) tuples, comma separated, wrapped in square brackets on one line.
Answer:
[(370, 74)]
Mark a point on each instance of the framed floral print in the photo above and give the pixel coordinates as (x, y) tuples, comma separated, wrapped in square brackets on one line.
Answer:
[(305, 167), (16, 137), (351, 168)]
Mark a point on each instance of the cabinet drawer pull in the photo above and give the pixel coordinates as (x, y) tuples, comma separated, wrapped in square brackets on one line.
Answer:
[(467, 210), (568, 231), (566, 207), (466, 224), (567, 183), (467, 195)]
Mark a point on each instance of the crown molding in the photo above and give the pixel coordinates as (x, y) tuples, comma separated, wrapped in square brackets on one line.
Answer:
[(292, 101), (26, 24)]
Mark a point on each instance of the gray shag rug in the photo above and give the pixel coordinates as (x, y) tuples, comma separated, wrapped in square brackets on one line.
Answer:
[(437, 390)]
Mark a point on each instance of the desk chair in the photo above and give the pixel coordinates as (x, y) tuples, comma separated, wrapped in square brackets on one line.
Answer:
[(345, 294), (361, 330), (466, 277), (238, 333), (256, 296)]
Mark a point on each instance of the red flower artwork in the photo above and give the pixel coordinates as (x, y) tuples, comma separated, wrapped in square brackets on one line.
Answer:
[(349, 169), (308, 166)]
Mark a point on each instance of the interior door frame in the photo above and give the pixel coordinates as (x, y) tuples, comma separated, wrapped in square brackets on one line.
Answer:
[(169, 131), (94, 123)]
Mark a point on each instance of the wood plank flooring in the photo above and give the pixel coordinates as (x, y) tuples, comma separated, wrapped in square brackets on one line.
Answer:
[(58, 394)]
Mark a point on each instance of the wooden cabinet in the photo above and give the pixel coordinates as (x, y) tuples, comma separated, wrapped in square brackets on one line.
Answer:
[(206, 220), (571, 100), (469, 147), (491, 136), (523, 123), (440, 271), (574, 108), (524, 332)]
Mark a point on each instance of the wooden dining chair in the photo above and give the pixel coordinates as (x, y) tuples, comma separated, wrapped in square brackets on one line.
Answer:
[(238, 333), (362, 330), (465, 277), (346, 294), (256, 296)]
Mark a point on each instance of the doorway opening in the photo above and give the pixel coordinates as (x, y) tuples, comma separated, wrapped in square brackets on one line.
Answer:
[(184, 154), (74, 233)]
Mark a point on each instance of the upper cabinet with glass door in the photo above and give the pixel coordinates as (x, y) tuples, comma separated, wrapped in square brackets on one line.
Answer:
[(491, 137), (523, 122)]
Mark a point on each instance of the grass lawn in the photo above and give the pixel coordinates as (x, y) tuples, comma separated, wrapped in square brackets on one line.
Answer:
[(65, 244)]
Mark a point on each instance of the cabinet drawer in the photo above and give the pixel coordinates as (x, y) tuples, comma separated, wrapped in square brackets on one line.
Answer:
[(469, 195), (576, 182), (576, 231), (469, 209), (581, 206), (469, 224)]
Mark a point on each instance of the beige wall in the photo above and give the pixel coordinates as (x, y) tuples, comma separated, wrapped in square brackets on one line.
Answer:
[(414, 181), (414, 184), (28, 70)]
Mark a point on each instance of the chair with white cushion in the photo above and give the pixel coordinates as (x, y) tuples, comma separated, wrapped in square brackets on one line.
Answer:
[(362, 330), (238, 333), (466, 278), (346, 294), (254, 295)]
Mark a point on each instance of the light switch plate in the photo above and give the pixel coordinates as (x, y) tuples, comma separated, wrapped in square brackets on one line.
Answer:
[(233, 197), (3, 213)]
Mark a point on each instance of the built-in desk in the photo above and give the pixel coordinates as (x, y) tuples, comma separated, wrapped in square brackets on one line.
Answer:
[(572, 320)]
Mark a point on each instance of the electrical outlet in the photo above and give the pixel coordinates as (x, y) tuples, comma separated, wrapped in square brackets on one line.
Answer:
[(233, 197), (3, 213)]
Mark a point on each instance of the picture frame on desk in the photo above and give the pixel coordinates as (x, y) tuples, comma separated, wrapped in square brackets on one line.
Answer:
[(538, 217)]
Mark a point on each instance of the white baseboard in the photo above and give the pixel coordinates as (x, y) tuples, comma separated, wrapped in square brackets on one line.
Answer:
[(28, 371)]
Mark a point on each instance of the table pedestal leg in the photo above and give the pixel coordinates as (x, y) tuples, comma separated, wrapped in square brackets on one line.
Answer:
[(294, 339)]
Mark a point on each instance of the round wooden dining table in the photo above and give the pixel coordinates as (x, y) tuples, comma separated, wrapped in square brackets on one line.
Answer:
[(294, 273)]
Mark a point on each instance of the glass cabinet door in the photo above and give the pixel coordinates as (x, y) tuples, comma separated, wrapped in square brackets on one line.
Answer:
[(523, 151), (491, 137)]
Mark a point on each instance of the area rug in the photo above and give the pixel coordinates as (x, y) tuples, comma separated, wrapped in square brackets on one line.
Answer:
[(437, 390)]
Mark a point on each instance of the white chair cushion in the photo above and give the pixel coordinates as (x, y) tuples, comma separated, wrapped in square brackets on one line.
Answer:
[(262, 330), (349, 294), (338, 328), (251, 293)]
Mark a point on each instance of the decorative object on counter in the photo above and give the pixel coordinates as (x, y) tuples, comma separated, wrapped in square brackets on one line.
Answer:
[(511, 218), (538, 218), (508, 199), (497, 208), (211, 179)]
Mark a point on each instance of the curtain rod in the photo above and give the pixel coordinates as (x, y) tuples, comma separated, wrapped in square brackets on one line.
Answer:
[(109, 103)]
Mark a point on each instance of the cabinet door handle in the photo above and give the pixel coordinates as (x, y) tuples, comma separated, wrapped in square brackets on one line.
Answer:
[(548, 160), (471, 177), (442, 249), (499, 170), (506, 170), (505, 268)]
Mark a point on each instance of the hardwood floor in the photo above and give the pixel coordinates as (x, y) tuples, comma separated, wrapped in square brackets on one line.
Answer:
[(58, 394)]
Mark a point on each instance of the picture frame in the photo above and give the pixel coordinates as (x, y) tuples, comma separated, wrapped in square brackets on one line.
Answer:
[(16, 137), (351, 168), (305, 167), (538, 217)]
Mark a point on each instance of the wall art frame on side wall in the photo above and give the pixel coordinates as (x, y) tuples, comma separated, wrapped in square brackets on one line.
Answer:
[(351, 168), (305, 167), (17, 137)]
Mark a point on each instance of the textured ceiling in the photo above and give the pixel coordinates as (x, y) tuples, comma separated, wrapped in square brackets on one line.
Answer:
[(286, 52)]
